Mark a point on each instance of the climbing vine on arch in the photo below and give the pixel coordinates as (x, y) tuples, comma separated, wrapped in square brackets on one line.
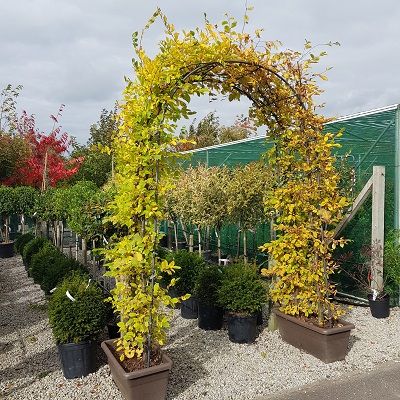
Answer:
[(281, 86)]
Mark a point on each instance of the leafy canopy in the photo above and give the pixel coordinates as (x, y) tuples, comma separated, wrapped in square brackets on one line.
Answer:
[(281, 86)]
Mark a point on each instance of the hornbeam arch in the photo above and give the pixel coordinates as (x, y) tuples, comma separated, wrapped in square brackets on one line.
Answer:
[(281, 86)]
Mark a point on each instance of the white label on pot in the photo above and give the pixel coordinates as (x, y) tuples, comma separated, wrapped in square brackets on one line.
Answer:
[(69, 295)]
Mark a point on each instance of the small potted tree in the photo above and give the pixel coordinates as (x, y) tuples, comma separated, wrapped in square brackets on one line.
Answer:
[(206, 291), (7, 208), (242, 294), (77, 314), (190, 265), (361, 274), (25, 198)]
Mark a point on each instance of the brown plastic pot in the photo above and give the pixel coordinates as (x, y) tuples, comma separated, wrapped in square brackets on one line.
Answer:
[(145, 384), (327, 344)]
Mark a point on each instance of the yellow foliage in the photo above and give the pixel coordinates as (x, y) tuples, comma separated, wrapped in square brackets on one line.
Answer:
[(281, 86)]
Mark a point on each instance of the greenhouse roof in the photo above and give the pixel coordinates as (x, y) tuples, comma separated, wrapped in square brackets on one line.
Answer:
[(368, 137)]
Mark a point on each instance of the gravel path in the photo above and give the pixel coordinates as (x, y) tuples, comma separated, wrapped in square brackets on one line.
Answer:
[(206, 364)]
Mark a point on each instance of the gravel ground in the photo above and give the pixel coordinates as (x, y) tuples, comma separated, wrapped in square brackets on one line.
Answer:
[(206, 364)]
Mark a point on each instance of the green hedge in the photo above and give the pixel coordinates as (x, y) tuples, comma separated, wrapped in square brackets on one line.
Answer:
[(22, 241), (49, 267), (32, 248)]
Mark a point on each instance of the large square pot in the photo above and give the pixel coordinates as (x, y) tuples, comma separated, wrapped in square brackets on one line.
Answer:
[(327, 344), (145, 384)]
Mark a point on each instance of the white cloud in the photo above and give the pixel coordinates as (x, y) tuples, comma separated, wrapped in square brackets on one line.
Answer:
[(77, 52)]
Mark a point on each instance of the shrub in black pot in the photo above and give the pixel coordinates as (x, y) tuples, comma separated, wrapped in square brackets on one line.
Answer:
[(49, 267), (206, 291), (191, 264), (77, 314), (22, 241), (242, 294), (32, 248)]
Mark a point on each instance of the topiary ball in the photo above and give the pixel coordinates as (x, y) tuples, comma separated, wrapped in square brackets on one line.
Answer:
[(80, 318), (22, 241), (32, 248)]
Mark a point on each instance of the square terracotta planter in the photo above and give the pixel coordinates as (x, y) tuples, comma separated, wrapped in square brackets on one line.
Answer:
[(145, 384), (327, 344)]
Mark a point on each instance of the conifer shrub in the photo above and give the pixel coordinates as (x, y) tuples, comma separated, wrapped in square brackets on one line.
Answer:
[(80, 317)]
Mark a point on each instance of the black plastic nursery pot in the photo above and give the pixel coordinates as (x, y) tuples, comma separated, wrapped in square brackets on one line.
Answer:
[(242, 328), (77, 359), (211, 318), (380, 308), (7, 250), (189, 308)]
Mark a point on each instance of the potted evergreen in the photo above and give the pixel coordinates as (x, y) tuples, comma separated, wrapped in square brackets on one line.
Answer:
[(77, 314), (190, 265), (7, 208), (49, 267), (22, 241), (26, 200), (206, 291), (31, 248), (242, 294)]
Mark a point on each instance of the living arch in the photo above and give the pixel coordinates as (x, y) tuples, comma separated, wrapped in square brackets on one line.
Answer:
[(281, 87)]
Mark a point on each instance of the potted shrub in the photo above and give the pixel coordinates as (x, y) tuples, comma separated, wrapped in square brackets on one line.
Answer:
[(77, 314), (361, 274), (26, 199), (206, 291), (190, 265), (49, 267), (32, 248), (242, 294), (308, 206), (7, 208), (22, 241)]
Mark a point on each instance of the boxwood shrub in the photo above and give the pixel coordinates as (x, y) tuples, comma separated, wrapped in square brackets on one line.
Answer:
[(190, 266), (241, 291), (207, 285), (49, 267), (32, 248), (22, 241), (81, 319)]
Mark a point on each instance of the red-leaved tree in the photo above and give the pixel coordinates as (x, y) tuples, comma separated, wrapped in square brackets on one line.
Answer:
[(46, 164)]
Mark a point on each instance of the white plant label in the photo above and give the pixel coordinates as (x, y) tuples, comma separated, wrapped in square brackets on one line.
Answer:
[(68, 294)]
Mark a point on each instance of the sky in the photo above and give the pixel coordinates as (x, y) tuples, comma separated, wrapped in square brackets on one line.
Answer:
[(77, 52)]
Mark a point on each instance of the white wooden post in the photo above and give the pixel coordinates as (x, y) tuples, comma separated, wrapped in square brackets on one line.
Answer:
[(378, 225)]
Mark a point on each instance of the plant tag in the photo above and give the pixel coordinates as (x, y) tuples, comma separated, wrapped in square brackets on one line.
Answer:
[(53, 290), (105, 240), (374, 294), (90, 279), (69, 295)]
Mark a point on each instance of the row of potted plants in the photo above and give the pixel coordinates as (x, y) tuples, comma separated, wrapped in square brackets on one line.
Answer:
[(76, 308), (79, 206), (235, 290)]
